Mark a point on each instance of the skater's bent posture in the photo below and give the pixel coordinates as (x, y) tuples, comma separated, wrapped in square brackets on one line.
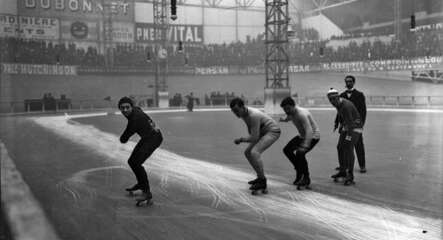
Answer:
[(150, 139), (351, 132), (308, 137), (263, 132)]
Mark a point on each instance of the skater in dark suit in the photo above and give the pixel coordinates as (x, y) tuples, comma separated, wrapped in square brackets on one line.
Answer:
[(359, 101), (150, 139), (309, 135), (349, 135)]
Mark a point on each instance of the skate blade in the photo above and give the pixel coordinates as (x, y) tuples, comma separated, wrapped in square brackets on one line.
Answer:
[(339, 179), (349, 183), (256, 192), (301, 187), (149, 202)]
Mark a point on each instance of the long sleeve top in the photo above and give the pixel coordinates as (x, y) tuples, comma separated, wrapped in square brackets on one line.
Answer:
[(349, 116), (140, 123)]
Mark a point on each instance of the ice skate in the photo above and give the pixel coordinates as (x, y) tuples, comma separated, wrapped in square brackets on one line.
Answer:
[(252, 182), (132, 189), (304, 183), (338, 176), (259, 186), (349, 180), (145, 197), (298, 179)]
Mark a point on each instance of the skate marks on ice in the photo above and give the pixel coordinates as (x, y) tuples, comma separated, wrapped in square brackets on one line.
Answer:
[(82, 189), (306, 212)]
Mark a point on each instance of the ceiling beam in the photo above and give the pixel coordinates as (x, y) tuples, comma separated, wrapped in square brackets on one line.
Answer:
[(324, 5)]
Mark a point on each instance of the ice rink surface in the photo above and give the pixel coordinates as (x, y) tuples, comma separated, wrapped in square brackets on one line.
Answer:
[(77, 169)]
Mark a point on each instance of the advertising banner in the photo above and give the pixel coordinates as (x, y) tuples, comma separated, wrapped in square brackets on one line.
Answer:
[(79, 31), (386, 65), (213, 70), (78, 9), (122, 32), (38, 69), (29, 27), (145, 32)]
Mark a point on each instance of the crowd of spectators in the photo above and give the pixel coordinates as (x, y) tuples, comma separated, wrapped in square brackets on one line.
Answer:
[(218, 98), (42, 52), (213, 98), (176, 100), (412, 44), (366, 34), (249, 53)]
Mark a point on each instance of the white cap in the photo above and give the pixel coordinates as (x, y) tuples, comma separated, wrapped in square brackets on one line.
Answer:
[(332, 91)]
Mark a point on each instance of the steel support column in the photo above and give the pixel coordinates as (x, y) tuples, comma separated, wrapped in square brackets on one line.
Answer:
[(161, 56), (277, 57), (107, 34)]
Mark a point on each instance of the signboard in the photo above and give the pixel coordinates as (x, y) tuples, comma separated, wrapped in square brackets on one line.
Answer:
[(145, 32), (214, 70), (122, 32), (79, 31), (29, 27), (77, 9), (386, 65), (38, 69)]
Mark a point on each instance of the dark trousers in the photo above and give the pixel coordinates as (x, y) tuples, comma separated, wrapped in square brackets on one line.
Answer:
[(360, 151), (142, 151), (298, 159), (345, 149)]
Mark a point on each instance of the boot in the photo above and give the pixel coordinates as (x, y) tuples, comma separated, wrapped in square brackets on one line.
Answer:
[(134, 188), (145, 197), (339, 175), (349, 179), (305, 181), (298, 179), (260, 184), (252, 182)]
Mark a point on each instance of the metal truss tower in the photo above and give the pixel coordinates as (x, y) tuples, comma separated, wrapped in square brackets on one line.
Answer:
[(277, 57), (161, 56), (107, 38), (397, 19)]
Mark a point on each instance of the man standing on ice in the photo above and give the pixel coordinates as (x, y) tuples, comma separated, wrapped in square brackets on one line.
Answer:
[(150, 139)]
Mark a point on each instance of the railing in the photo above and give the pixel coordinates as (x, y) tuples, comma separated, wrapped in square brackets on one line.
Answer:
[(383, 101), (320, 101), (40, 106)]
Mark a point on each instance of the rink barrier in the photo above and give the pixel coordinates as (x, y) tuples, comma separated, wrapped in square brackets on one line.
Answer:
[(25, 218), (16, 108)]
